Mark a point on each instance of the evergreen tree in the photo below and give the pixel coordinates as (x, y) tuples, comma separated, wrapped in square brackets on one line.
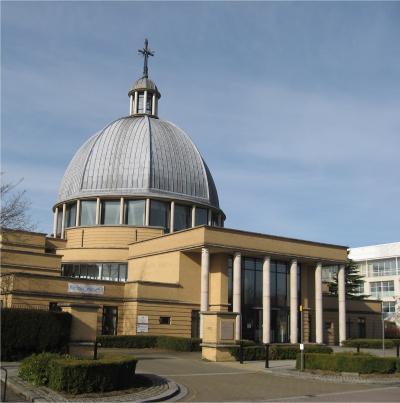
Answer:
[(353, 281)]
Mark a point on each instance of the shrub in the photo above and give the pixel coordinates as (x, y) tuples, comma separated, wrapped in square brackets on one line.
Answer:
[(345, 362), (367, 343), (277, 351), (139, 341), (128, 341), (85, 376), (26, 331), (35, 369)]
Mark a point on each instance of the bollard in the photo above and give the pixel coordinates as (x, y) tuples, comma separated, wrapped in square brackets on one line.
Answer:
[(96, 344), (358, 349), (267, 356), (241, 351), (398, 349)]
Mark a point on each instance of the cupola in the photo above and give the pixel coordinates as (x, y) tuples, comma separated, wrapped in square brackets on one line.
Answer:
[(144, 95)]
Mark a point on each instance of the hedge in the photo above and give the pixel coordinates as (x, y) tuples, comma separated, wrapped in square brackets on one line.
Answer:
[(277, 351), (26, 331), (77, 375), (370, 343), (139, 341), (345, 362)]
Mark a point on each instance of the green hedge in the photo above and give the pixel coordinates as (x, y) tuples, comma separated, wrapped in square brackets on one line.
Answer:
[(85, 376), (138, 341), (345, 362), (277, 351), (77, 375), (370, 343), (26, 331)]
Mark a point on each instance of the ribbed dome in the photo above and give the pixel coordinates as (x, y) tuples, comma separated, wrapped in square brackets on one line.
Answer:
[(144, 83), (139, 156)]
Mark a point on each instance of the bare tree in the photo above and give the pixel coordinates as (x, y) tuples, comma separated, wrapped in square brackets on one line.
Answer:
[(14, 208)]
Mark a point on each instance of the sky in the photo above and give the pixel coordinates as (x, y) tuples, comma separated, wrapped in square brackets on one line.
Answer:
[(295, 107)]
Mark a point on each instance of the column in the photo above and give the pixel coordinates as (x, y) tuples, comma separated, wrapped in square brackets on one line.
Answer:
[(205, 269), (193, 216), (172, 217), (121, 211), (342, 304), (78, 213), (318, 304), (131, 105), (153, 105), (63, 220), (135, 105), (266, 301), (293, 302), (98, 211), (237, 287), (209, 216), (147, 213), (55, 222)]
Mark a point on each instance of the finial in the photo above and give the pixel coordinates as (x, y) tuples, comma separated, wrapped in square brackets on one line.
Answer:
[(146, 52)]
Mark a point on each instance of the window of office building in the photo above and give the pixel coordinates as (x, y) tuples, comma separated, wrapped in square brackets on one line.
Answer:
[(110, 212), (384, 267), (96, 271), (182, 217), (389, 306), (88, 212), (159, 214), (381, 289), (70, 215), (201, 216), (110, 320), (134, 212)]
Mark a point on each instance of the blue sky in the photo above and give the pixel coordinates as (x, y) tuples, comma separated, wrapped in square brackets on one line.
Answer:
[(294, 106)]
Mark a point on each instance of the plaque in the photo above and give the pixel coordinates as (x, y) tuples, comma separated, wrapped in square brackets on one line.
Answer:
[(227, 329)]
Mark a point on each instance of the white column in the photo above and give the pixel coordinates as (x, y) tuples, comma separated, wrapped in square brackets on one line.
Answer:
[(193, 216), (342, 304), (209, 216), (172, 217), (131, 105), (63, 220), (293, 302), (135, 105), (205, 269), (121, 211), (153, 105), (147, 213), (55, 222), (98, 211), (318, 304), (237, 287), (78, 213), (266, 301)]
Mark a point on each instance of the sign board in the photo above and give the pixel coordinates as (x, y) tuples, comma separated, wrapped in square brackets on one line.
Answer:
[(301, 346), (86, 288), (142, 328), (227, 329), (143, 319)]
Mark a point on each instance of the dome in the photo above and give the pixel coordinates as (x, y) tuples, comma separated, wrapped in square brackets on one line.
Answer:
[(139, 156), (144, 83)]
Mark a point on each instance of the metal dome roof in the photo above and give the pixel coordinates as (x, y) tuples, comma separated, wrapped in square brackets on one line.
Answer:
[(144, 83), (139, 156)]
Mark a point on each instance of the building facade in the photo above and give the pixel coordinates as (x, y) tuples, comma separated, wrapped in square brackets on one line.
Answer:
[(380, 267), (138, 230)]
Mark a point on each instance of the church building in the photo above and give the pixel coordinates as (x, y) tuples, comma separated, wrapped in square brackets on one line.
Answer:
[(139, 231)]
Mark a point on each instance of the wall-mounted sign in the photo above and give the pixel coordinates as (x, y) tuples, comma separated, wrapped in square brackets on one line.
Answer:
[(142, 328), (143, 319), (86, 288)]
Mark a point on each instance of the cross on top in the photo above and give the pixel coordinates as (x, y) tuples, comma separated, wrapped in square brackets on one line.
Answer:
[(146, 52)]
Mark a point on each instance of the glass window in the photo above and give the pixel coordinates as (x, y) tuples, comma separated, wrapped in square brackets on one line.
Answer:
[(201, 216), (384, 267), (96, 271), (123, 269), (141, 102), (93, 271), (59, 222), (230, 283), (149, 102), (389, 306), (134, 212), (182, 217), (381, 289), (159, 214), (70, 215), (165, 320), (88, 212), (214, 219), (110, 212)]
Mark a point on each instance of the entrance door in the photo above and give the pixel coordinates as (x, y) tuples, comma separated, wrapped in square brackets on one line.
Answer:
[(110, 317), (195, 323)]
